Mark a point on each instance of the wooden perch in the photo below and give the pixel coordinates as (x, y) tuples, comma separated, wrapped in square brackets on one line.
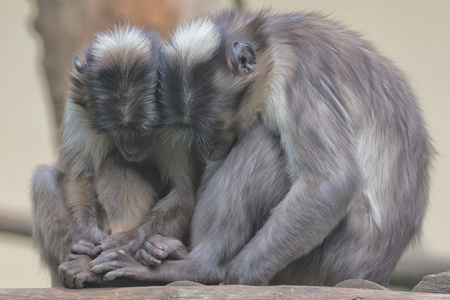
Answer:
[(435, 283), (215, 292), (15, 223)]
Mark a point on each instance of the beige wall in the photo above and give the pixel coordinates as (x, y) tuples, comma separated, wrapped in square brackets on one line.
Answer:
[(25, 135), (415, 34)]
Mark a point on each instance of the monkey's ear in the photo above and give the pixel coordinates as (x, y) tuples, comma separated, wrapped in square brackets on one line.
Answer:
[(78, 63), (243, 58)]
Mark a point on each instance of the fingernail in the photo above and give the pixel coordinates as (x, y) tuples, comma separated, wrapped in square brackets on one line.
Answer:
[(159, 246), (158, 252)]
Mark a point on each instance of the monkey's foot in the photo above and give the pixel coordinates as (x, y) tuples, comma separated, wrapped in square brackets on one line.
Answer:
[(76, 272)]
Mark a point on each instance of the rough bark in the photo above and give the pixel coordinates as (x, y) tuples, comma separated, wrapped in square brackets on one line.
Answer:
[(215, 292), (435, 283)]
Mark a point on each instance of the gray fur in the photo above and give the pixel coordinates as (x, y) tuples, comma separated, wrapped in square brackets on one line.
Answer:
[(355, 153), (113, 164)]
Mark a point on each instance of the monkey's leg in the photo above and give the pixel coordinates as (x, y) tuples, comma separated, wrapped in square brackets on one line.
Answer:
[(235, 198), (52, 223), (353, 250), (64, 212), (357, 248)]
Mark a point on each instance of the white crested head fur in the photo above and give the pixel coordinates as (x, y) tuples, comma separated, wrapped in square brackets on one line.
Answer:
[(121, 39), (195, 42)]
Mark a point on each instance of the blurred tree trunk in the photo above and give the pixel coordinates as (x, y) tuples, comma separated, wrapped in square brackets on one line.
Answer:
[(68, 25)]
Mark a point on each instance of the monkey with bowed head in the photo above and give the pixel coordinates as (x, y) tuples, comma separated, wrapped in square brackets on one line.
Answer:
[(320, 168), (117, 182)]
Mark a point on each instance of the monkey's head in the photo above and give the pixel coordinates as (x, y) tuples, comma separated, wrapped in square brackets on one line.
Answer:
[(116, 86), (203, 78)]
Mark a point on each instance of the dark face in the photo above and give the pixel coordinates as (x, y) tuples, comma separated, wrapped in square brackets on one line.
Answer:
[(123, 106), (196, 104), (119, 97)]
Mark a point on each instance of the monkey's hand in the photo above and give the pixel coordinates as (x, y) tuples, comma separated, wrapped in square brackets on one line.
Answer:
[(83, 247), (76, 271), (158, 248), (129, 241), (118, 263)]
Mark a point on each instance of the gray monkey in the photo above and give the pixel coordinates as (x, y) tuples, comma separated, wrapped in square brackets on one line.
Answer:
[(351, 188), (116, 182)]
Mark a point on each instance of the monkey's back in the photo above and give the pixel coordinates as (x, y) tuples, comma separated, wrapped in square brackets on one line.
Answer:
[(371, 97)]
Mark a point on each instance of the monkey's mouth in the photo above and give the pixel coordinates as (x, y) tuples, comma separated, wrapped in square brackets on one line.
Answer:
[(133, 150), (134, 157)]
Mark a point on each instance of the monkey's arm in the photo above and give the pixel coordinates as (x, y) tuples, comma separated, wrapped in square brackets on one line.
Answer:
[(170, 218), (171, 215), (246, 186), (113, 264), (321, 158)]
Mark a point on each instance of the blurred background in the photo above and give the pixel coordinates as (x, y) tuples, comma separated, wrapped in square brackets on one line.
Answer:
[(37, 41)]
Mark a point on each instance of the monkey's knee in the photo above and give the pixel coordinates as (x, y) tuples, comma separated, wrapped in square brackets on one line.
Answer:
[(47, 210), (45, 177), (45, 184)]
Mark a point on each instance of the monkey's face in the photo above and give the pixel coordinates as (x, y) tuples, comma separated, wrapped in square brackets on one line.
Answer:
[(120, 81), (201, 88)]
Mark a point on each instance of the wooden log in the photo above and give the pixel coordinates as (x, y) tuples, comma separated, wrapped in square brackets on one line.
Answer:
[(215, 292), (360, 284), (184, 283), (434, 283)]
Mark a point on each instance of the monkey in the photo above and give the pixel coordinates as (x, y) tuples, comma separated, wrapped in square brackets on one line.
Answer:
[(355, 154), (117, 181)]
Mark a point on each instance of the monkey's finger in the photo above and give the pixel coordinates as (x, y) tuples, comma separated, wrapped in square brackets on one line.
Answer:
[(148, 247), (158, 246), (110, 276), (152, 247), (83, 247), (99, 249), (73, 256), (179, 253), (104, 267), (103, 258), (79, 280), (86, 277), (169, 247), (69, 281), (142, 274), (85, 243), (155, 238), (64, 276), (161, 250), (177, 249), (147, 259)]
